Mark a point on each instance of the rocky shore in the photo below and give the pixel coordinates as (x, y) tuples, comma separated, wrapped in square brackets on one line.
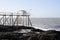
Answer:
[(34, 34)]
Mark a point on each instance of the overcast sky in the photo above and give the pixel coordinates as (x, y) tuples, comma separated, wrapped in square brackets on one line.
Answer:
[(39, 8)]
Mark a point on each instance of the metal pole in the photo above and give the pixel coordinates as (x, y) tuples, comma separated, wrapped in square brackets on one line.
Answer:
[(28, 21), (3, 19), (12, 19), (17, 21), (23, 20)]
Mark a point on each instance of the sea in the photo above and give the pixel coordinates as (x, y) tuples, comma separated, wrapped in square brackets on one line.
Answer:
[(46, 23)]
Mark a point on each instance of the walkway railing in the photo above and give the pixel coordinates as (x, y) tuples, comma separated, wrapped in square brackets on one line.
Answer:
[(11, 19)]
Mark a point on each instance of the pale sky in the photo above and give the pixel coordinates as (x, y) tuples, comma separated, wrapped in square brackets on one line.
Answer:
[(39, 8)]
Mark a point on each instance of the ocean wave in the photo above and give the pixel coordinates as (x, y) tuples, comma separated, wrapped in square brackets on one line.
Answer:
[(45, 27)]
